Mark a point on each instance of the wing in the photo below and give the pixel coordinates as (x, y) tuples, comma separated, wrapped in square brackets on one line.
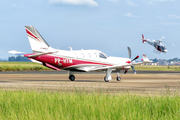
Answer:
[(145, 60)]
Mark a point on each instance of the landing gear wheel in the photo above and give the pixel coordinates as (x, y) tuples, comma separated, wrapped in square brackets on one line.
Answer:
[(72, 77), (118, 78), (105, 79)]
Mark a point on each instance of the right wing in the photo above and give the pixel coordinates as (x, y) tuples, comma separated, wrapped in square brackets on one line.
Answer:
[(145, 60)]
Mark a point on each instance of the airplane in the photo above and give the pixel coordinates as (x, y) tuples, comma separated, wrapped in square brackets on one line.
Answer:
[(77, 60), (159, 47)]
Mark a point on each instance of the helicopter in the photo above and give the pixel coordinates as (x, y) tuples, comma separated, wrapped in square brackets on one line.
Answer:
[(159, 47)]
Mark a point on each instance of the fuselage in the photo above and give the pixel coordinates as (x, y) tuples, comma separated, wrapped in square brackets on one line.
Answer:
[(79, 60), (158, 46)]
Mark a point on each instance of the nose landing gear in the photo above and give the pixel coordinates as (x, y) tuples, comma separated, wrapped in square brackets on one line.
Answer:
[(118, 78)]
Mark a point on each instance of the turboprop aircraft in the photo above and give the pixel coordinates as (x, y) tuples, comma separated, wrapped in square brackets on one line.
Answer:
[(159, 47), (77, 60)]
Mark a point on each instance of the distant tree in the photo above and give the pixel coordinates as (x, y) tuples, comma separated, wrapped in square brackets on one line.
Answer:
[(11, 59), (155, 60), (174, 59), (18, 59)]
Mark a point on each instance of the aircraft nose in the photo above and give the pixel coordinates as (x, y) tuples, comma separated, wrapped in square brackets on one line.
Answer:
[(165, 51)]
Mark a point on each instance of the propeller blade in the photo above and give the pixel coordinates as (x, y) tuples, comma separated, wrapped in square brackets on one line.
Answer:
[(133, 69), (135, 58), (125, 72), (129, 52)]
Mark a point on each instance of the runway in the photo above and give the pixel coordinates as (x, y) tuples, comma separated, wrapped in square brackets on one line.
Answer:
[(142, 83)]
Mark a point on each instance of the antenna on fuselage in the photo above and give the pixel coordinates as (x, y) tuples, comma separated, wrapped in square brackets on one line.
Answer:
[(71, 48)]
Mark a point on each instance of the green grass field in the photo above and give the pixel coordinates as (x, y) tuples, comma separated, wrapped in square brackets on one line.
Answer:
[(151, 67), (21, 66), (46, 105)]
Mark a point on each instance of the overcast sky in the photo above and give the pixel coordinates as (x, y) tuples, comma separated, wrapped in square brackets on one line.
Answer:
[(106, 25)]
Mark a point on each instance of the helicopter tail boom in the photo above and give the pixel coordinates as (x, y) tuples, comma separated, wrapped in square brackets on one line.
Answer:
[(143, 40)]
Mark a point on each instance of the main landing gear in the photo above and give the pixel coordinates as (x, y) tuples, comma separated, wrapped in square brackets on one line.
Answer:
[(71, 76), (108, 77)]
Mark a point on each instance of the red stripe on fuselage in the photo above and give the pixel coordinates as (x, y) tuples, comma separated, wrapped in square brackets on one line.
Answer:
[(29, 33), (51, 60)]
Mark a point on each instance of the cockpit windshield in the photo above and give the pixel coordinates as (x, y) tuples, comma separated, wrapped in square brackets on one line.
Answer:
[(101, 55)]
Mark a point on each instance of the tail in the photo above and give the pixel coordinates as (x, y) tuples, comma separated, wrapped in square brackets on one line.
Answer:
[(143, 40), (38, 44), (145, 59)]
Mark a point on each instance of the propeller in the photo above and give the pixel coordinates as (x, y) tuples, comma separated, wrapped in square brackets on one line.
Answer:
[(129, 53), (133, 69), (133, 66), (135, 58)]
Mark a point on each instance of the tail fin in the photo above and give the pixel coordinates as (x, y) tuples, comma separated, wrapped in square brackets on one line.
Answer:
[(145, 59), (143, 40), (38, 44)]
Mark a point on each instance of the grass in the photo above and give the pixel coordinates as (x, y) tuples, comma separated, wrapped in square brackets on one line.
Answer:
[(21, 66), (159, 68), (89, 106), (29, 66)]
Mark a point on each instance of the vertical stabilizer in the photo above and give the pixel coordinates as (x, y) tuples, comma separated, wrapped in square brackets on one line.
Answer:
[(145, 59), (38, 44)]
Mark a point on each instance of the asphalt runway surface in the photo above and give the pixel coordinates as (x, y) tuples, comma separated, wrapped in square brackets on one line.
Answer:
[(144, 82)]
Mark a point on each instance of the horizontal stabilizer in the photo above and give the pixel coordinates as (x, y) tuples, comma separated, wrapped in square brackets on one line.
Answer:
[(35, 61), (39, 54)]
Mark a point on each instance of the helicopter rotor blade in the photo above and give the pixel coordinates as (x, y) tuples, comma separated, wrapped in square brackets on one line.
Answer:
[(168, 43)]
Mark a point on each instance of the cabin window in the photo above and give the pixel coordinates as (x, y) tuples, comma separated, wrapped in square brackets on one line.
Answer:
[(80, 55), (102, 56), (86, 55), (89, 55), (93, 55)]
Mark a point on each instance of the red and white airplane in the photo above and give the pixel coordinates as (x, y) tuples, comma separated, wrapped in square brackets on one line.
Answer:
[(77, 60)]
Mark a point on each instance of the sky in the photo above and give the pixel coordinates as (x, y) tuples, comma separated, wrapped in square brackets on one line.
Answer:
[(106, 25)]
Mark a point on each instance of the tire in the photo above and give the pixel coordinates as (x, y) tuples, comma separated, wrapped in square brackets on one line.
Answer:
[(106, 79), (72, 77), (118, 78)]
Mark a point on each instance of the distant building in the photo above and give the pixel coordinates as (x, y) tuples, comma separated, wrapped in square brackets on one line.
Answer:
[(178, 64), (162, 62)]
